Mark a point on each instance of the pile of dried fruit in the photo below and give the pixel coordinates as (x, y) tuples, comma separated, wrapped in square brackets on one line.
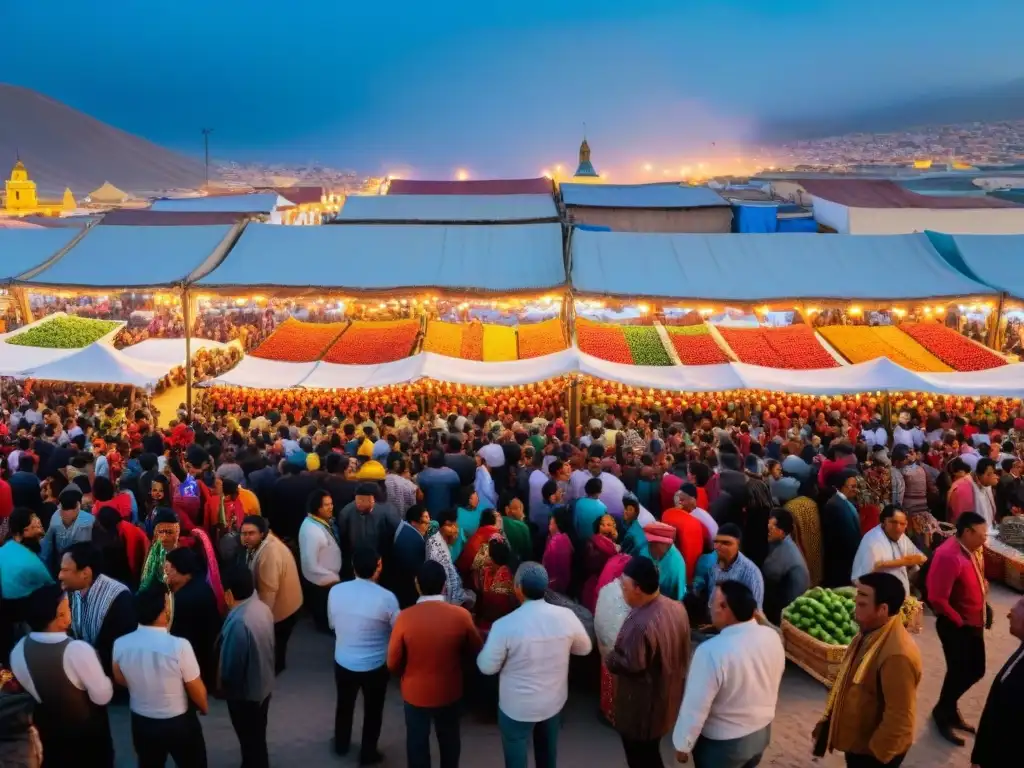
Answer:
[(367, 342), (794, 347), (297, 342), (695, 345), (859, 343), (952, 348)]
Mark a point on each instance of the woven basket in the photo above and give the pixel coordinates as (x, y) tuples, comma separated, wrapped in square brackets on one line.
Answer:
[(820, 660), (1013, 572), (946, 529), (1011, 532)]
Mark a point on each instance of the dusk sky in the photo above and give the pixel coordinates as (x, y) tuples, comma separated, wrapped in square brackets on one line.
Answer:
[(494, 88)]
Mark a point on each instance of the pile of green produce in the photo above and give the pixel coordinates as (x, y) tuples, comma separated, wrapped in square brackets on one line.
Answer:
[(67, 332), (645, 344), (824, 614)]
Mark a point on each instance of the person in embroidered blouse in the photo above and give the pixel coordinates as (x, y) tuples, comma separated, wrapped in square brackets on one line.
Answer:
[(438, 550), (599, 548)]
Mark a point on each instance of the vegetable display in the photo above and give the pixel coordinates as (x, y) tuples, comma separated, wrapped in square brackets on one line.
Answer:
[(368, 342), (794, 347), (297, 342), (629, 344), (539, 339), (859, 343), (499, 343), (443, 338), (824, 614), (952, 348), (68, 332), (695, 345), (472, 342)]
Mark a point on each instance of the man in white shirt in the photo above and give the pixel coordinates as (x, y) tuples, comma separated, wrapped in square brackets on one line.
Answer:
[(530, 649), (319, 554), (887, 548), (732, 686), (66, 679), (161, 674), (362, 614), (875, 434)]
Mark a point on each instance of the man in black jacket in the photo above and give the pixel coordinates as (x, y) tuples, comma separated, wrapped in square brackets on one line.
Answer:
[(997, 738)]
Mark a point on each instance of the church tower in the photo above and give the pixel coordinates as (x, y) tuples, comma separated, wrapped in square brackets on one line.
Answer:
[(21, 191), (585, 170)]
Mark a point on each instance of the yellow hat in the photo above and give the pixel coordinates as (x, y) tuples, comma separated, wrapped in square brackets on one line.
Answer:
[(312, 462), (365, 448), (371, 470)]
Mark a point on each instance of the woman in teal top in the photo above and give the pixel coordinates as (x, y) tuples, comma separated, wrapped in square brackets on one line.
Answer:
[(671, 566), (634, 542), (469, 519), (21, 570), (589, 509)]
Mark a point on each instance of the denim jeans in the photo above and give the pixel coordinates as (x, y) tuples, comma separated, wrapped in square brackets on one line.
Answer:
[(417, 735), (515, 737)]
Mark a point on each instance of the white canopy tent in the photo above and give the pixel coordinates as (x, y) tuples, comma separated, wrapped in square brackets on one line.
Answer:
[(17, 358), (167, 352), (257, 373), (99, 364)]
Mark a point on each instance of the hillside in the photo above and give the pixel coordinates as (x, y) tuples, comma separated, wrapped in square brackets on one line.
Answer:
[(985, 105), (62, 147)]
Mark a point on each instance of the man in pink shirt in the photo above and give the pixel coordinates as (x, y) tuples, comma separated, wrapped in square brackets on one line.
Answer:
[(956, 592)]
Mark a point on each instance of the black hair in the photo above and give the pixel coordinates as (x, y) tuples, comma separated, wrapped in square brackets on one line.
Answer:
[(731, 530), (20, 519), (447, 516), (150, 603), (488, 517), (982, 465), (563, 518), (888, 511), (968, 520), (740, 599), (431, 578), (230, 486), (889, 590), (261, 523), (185, 561), (85, 554), (414, 513), (783, 520), (548, 490), (643, 572), (315, 500), (364, 562), (238, 580), (593, 487), (42, 606), (102, 489)]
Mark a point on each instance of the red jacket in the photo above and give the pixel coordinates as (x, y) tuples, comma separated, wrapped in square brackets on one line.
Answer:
[(689, 537), (136, 546), (955, 586), (120, 502), (6, 499)]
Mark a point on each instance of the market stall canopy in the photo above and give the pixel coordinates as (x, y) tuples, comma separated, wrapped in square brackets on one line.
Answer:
[(764, 267), (871, 376), (680, 378), (257, 373), (662, 196), (167, 352), (541, 186), (1005, 381), (996, 260), (15, 358), (517, 258), (135, 257), (98, 364), (446, 209), (261, 202), (24, 249)]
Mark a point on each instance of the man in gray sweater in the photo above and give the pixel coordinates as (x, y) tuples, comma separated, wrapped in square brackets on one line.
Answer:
[(247, 664)]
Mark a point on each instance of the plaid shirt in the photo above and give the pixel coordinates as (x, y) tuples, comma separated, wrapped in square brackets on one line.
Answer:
[(400, 491), (742, 570)]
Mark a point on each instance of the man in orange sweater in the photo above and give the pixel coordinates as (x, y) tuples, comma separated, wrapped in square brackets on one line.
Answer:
[(429, 644)]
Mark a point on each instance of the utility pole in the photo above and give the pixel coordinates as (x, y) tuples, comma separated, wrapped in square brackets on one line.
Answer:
[(206, 152)]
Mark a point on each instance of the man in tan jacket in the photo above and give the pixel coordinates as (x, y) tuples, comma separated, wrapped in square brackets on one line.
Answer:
[(277, 580), (870, 711)]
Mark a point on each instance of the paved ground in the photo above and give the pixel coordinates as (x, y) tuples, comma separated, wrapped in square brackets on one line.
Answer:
[(301, 716)]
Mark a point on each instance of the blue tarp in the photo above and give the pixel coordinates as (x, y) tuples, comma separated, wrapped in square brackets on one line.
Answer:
[(805, 224), (262, 202), (24, 249), (765, 267), (754, 218), (996, 260), (505, 258), (134, 257)]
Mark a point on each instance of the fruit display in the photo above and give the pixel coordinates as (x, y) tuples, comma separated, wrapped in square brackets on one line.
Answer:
[(443, 338), (368, 342), (472, 342), (67, 332), (695, 345), (824, 614), (629, 344), (297, 342), (860, 343), (539, 339), (952, 348), (794, 347), (499, 343)]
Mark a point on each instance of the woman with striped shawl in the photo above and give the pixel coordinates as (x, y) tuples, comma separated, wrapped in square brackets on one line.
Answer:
[(167, 537)]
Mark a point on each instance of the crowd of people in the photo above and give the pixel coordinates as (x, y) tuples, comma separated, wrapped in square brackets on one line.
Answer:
[(207, 364), (171, 565)]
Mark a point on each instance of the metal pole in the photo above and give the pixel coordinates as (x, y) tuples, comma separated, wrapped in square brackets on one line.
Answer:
[(186, 311)]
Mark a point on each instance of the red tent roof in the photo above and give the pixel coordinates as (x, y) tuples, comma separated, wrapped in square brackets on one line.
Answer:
[(877, 193), (300, 195), (141, 217), (539, 186)]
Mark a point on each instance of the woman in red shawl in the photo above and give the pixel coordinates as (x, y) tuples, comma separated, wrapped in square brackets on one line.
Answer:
[(490, 525), (601, 547), (493, 578)]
